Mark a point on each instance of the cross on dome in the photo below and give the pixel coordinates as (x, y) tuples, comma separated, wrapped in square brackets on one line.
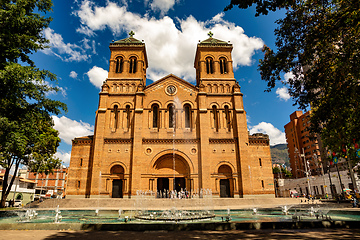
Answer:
[(210, 34), (131, 33)]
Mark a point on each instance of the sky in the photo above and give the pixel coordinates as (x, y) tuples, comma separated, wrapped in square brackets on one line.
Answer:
[(78, 53)]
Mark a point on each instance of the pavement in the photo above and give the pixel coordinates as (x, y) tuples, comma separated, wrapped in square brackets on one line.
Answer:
[(181, 235)]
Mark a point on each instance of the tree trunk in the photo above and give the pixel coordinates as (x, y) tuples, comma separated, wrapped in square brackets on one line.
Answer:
[(6, 188)]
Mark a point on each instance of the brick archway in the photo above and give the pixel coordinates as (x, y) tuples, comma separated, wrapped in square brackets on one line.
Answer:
[(171, 172), (225, 181)]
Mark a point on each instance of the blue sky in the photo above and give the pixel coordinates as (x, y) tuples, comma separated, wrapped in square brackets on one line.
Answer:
[(79, 53)]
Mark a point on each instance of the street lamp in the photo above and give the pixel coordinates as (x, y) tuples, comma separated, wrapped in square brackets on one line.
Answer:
[(306, 168), (319, 164)]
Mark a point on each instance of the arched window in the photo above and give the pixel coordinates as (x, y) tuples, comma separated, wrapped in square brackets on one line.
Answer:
[(215, 117), (187, 110), (227, 88), (221, 88), (172, 117), (117, 170), (127, 110), (209, 65), (215, 88), (223, 68), (119, 65), (227, 117), (225, 170), (116, 116), (132, 68), (155, 112)]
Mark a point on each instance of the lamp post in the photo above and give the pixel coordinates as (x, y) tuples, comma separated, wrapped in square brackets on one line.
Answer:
[(331, 189), (318, 164), (306, 169)]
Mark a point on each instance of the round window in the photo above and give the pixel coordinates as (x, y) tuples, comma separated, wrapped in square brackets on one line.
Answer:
[(171, 89)]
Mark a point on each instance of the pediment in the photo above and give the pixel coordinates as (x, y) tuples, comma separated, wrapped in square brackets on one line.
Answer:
[(171, 80)]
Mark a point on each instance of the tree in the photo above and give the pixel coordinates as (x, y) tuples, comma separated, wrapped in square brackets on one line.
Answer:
[(27, 136), (318, 41)]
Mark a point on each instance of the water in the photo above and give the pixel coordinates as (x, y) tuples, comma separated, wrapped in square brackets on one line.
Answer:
[(126, 216), (171, 212)]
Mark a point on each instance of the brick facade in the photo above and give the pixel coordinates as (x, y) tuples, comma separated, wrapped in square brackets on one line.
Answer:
[(303, 147), (170, 134), (56, 181)]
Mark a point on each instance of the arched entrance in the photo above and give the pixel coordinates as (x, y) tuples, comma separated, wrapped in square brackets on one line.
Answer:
[(117, 176), (172, 173), (226, 186)]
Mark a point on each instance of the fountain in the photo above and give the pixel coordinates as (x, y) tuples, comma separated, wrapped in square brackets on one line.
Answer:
[(120, 212), (30, 214), (58, 216), (285, 209), (254, 211), (172, 213), (177, 218)]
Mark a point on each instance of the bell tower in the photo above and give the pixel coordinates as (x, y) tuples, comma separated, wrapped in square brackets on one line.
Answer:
[(128, 60), (213, 61)]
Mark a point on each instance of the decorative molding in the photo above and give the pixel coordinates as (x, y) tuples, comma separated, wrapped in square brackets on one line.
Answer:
[(222, 141), (102, 109), (82, 141), (117, 141), (169, 141), (259, 140)]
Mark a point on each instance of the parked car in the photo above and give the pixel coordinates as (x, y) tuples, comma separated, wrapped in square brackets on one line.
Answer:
[(17, 203)]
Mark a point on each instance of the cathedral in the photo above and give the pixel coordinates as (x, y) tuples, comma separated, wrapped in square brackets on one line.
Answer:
[(171, 134)]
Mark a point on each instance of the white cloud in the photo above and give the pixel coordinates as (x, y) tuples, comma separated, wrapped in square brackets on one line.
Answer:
[(275, 135), (70, 129), (64, 156), (169, 49), (73, 74), (65, 51), (283, 93), (288, 75), (162, 5), (52, 92), (97, 76)]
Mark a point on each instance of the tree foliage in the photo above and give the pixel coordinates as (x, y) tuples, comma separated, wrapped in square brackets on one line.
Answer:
[(318, 41), (21, 29), (27, 136)]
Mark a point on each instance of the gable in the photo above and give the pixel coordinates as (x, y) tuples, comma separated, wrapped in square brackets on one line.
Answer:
[(169, 89), (171, 78)]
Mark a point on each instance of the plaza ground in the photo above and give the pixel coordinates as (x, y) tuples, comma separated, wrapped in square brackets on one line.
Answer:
[(181, 235)]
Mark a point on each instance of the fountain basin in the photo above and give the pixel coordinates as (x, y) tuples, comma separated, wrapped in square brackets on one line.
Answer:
[(241, 219)]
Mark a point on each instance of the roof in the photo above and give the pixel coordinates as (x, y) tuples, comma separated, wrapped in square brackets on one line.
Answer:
[(174, 77), (20, 178), (213, 41), (26, 180), (128, 41)]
